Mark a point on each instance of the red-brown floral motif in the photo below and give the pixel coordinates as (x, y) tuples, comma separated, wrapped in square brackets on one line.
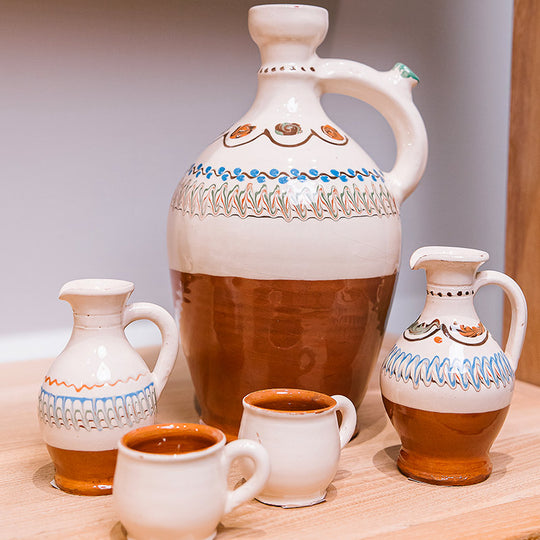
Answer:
[(288, 128), (332, 132), (242, 131), (471, 331)]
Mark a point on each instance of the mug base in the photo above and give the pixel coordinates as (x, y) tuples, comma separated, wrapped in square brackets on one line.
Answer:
[(292, 502), (83, 473)]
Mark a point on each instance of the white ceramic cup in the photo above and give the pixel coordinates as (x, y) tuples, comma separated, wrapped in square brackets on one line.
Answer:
[(171, 480), (300, 431)]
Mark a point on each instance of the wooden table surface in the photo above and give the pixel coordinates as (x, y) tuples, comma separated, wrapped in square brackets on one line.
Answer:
[(369, 498)]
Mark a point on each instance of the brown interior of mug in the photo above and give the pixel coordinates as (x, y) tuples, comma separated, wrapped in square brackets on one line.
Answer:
[(290, 400), (172, 438)]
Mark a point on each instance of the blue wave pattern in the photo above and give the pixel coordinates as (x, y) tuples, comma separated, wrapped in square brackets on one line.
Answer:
[(478, 372), (97, 413), (282, 176)]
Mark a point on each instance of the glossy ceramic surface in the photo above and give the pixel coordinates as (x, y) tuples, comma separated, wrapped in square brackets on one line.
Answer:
[(99, 387), (285, 211), (299, 429), (447, 384), (171, 480)]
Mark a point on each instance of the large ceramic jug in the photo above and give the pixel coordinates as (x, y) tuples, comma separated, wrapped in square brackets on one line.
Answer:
[(284, 236)]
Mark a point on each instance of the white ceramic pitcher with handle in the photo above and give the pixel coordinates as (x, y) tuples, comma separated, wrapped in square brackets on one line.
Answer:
[(99, 388), (447, 384), (284, 236)]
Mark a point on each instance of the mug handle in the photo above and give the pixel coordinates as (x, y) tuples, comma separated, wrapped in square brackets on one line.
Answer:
[(169, 338), (255, 484), (389, 92), (518, 304), (348, 420)]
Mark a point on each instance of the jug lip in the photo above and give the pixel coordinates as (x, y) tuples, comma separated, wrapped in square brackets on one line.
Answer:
[(428, 254), (97, 287)]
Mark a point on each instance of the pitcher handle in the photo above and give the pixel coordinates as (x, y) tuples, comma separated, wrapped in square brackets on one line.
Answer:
[(245, 448), (390, 93), (169, 338), (518, 304), (348, 419)]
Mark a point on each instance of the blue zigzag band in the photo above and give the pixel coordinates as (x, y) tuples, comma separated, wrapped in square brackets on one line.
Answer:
[(466, 372)]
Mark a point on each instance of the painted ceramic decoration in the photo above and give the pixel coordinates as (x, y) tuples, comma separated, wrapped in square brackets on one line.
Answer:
[(284, 236), (171, 480), (299, 429), (99, 388), (446, 384)]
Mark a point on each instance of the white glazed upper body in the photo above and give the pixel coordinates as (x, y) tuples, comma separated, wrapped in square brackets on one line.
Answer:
[(447, 361), (335, 215)]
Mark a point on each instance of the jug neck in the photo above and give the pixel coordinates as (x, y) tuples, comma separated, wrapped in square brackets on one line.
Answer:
[(449, 302), (110, 322), (287, 94), (287, 33)]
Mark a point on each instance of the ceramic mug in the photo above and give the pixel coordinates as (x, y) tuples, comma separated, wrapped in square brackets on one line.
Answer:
[(171, 480), (300, 431)]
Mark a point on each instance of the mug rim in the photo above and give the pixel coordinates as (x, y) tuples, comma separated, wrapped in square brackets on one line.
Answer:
[(248, 402), (176, 427)]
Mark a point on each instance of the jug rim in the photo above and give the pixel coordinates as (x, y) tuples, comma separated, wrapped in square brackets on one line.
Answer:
[(97, 287), (449, 254)]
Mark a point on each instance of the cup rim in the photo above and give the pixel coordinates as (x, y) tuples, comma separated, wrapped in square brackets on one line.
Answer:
[(249, 402), (124, 448)]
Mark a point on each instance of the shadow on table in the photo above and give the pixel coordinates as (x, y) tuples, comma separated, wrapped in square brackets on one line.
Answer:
[(385, 461), (118, 532), (371, 420), (43, 476)]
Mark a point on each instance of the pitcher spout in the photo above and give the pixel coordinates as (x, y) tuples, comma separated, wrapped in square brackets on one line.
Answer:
[(96, 296), (448, 266)]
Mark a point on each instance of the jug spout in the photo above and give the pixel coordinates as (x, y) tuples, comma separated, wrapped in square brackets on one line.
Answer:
[(448, 266), (287, 33), (93, 297)]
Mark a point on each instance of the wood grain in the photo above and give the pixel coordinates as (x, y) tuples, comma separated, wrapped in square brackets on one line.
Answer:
[(523, 206), (369, 498)]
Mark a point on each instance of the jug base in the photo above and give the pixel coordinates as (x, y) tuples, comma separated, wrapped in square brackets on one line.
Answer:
[(443, 472), (82, 472), (445, 448)]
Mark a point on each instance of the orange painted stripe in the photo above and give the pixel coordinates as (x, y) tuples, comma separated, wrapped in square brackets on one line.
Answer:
[(79, 388)]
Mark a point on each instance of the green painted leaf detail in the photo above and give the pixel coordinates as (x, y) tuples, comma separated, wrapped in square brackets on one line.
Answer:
[(406, 72)]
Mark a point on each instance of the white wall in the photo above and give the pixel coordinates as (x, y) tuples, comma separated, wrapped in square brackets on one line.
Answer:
[(104, 104)]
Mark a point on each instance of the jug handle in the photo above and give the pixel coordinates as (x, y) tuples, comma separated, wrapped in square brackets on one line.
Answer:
[(169, 338), (518, 304), (389, 92)]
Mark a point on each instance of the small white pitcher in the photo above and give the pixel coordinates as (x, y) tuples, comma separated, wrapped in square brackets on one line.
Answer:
[(99, 387)]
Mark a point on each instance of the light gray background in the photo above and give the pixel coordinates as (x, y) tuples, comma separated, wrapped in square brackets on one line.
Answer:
[(104, 104)]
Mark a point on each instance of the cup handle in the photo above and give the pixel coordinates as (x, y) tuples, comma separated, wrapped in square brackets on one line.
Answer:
[(518, 304), (255, 484), (348, 421), (169, 338), (390, 93)]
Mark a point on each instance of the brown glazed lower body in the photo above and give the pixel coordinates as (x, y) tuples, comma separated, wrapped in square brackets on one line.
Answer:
[(445, 448), (240, 335), (84, 473)]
